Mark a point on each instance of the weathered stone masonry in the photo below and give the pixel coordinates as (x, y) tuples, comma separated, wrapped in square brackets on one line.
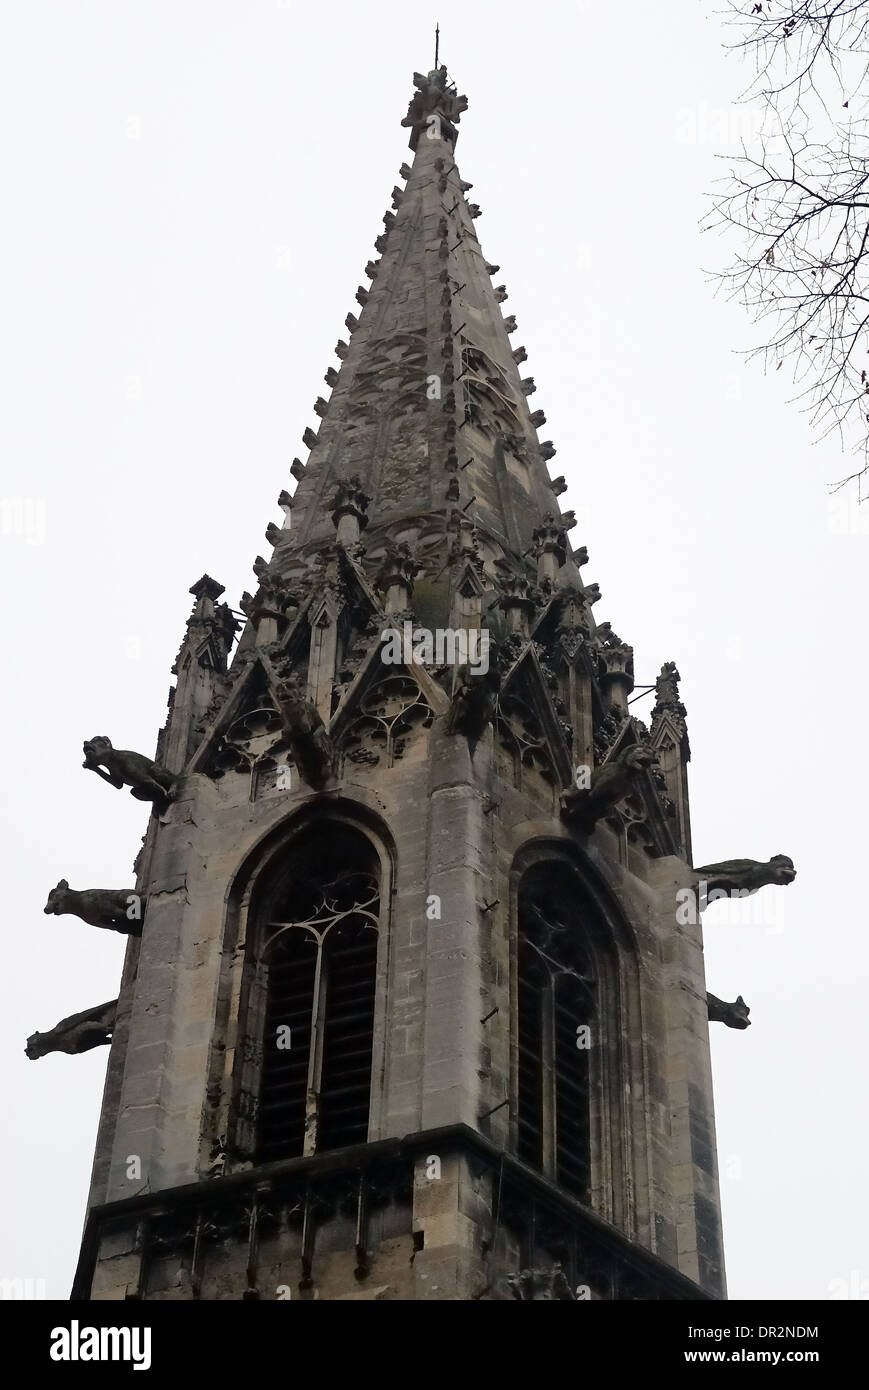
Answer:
[(437, 881)]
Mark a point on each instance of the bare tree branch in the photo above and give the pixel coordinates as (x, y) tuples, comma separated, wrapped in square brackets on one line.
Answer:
[(798, 205)]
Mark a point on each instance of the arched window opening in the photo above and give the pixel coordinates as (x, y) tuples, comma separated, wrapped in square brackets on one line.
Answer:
[(557, 1029), (317, 970)]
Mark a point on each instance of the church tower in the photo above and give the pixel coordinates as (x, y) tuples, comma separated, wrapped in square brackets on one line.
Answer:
[(413, 1005)]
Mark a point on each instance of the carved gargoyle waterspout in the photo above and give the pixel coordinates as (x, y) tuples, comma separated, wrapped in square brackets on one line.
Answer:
[(473, 703), (540, 1286), (310, 744), (746, 876), (610, 784), (146, 779), (78, 1033), (116, 910), (733, 1015)]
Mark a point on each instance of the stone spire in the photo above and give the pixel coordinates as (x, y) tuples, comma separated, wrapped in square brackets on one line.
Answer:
[(428, 412)]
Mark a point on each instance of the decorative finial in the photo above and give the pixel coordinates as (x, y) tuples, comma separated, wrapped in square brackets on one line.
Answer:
[(435, 108), (437, 42)]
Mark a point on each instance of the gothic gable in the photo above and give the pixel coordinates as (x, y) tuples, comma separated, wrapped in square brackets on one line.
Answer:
[(646, 815), (527, 720), (384, 711)]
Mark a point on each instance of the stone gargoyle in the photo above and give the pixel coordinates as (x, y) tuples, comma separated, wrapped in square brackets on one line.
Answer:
[(610, 784), (733, 1015), (310, 745), (746, 876), (115, 909), (473, 703), (540, 1286), (78, 1033), (146, 779)]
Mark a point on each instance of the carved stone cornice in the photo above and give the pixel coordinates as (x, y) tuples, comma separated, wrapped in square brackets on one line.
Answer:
[(206, 587)]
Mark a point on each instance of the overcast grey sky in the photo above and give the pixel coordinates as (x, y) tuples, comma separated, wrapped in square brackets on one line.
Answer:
[(192, 189)]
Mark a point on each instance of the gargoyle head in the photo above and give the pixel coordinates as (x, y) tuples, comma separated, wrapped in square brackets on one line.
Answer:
[(34, 1049), (739, 1012), (56, 898), (291, 689), (95, 749), (639, 758), (783, 870)]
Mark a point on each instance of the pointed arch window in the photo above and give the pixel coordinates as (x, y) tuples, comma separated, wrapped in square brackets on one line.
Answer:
[(316, 976), (557, 1030)]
